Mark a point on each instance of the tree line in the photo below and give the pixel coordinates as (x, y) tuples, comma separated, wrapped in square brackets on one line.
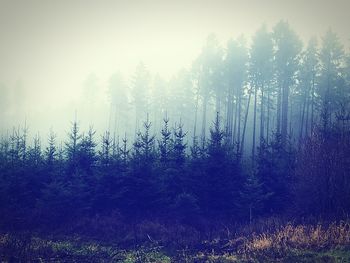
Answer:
[(276, 84), (277, 144), (167, 179)]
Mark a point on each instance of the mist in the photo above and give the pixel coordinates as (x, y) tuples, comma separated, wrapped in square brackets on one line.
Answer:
[(174, 131), (56, 54)]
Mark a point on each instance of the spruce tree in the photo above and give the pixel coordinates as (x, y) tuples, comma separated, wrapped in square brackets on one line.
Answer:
[(165, 143), (179, 147), (220, 175), (51, 150), (252, 197)]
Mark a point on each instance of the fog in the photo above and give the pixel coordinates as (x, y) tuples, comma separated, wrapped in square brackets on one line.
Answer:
[(57, 57)]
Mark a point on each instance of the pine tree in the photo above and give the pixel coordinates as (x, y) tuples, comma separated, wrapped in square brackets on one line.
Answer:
[(288, 47), (208, 68), (307, 78), (179, 146), (124, 152), (34, 152), (261, 74), (252, 196), (165, 143), (275, 166), (72, 148), (105, 153), (331, 86), (51, 151), (220, 175), (236, 65), (147, 143), (86, 152)]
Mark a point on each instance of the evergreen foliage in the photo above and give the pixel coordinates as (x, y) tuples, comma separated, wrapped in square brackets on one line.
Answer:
[(300, 166)]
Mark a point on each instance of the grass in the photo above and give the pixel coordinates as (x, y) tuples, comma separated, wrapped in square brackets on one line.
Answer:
[(286, 243), (33, 249), (290, 241)]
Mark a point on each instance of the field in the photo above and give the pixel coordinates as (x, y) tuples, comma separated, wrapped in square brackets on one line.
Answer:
[(261, 243)]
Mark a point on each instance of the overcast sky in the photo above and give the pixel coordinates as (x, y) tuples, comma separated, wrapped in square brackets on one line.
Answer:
[(51, 46)]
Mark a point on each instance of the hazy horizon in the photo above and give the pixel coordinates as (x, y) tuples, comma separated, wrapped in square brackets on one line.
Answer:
[(49, 48)]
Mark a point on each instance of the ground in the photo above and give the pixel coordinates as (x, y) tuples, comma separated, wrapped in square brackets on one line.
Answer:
[(286, 243)]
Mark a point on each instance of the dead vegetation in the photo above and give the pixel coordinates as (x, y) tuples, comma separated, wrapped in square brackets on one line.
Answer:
[(265, 243)]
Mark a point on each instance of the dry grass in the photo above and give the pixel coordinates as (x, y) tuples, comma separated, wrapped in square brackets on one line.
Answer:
[(273, 242), (299, 237), (265, 241)]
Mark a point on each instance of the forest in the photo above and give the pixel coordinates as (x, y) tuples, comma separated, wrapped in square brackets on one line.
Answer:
[(255, 134)]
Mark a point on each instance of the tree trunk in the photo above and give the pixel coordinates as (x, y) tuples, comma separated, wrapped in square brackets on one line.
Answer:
[(284, 120), (254, 124), (239, 118), (268, 117), (195, 116), (262, 114), (306, 133), (229, 116), (245, 123), (278, 117), (312, 104), (302, 117), (235, 119), (204, 120)]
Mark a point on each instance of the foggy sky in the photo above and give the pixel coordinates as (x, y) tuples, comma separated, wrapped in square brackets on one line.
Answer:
[(48, 48)]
